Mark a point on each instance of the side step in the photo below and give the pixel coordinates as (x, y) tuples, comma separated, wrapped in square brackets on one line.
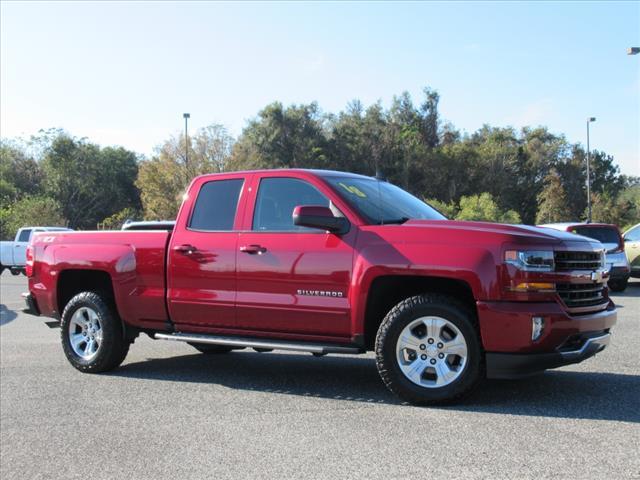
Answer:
[(315, 348)]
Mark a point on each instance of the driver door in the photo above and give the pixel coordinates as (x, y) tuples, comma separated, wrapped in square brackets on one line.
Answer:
[(292, 279)]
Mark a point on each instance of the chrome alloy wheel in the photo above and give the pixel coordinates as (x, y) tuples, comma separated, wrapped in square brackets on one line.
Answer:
[(431, 352), (85, 333)]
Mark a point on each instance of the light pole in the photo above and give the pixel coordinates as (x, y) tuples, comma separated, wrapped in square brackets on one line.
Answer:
[(589, 120), (186, 140)]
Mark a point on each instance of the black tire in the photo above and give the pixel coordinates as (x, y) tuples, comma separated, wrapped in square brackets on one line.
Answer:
[(14, 271), (402, 315), (618, 285), (211, 349), (114, 346)]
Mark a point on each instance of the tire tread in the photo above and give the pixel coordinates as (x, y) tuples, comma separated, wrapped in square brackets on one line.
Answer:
[(388, 375), (117, 347)]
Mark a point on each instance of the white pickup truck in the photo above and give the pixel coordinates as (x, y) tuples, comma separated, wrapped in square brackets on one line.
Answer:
[(13, 254)]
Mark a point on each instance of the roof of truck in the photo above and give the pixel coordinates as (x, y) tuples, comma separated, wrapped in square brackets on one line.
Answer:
[(318, 172)]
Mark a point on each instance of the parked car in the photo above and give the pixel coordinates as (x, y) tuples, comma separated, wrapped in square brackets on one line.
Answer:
[(12, 254), (149, 225), (330, 263), (632, 249), (611, 238)]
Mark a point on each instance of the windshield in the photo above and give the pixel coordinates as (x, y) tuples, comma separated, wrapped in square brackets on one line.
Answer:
[(380, 202)]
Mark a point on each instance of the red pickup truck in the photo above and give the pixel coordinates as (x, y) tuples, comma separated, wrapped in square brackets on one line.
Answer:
[(329, 262)]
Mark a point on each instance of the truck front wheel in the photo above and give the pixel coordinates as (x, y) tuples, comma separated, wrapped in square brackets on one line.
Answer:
[(428, 350), (91, 334)]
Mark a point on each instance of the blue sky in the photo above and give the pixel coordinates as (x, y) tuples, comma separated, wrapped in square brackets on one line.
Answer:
[(123, 73)]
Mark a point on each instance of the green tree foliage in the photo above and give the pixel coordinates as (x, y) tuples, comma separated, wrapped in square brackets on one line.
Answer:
[(291, 137), (630, 198), (30, 211), (449, 210), (619, 211), (19, 173), (118, 219), (483, 207), (552, 200), (88, 182), (411, 147), (162, 180)]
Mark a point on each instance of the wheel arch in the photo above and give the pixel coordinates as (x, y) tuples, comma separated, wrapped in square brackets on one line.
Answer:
[(73, 281), (386, 291)]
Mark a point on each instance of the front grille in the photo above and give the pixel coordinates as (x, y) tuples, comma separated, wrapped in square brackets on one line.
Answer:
[(581, 295), (577, 261)]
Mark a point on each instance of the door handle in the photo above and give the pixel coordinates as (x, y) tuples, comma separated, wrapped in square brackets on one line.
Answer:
[(253, 249), (186, 249)]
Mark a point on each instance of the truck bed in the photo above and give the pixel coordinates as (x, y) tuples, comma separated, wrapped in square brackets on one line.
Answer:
[(134, 260)]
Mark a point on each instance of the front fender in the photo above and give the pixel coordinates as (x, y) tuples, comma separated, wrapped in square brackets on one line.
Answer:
[(476, 266)]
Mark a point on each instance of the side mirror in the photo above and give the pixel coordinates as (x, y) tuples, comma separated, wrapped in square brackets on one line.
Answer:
[(313, 216)]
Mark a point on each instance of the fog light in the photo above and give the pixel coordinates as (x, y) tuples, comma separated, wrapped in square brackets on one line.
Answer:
[(537, 327)]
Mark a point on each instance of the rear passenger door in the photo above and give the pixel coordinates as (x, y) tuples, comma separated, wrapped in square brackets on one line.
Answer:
[(202, 255)]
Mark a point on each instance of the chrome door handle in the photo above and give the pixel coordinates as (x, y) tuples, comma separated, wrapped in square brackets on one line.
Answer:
[(186, 249), (253, 249)]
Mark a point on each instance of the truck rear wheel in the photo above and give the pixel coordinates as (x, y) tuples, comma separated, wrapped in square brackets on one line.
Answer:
[(428, 350), (91, 334)]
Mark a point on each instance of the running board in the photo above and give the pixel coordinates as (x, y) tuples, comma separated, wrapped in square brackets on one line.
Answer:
[(315, 348)]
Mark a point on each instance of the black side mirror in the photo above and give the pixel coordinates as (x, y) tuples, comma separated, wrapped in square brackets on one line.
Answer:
[(313, 216)]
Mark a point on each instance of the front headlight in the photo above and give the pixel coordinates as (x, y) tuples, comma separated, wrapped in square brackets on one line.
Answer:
[(530, 260)]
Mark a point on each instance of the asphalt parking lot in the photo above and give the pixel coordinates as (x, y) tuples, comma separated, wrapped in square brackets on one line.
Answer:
[(170, 412)]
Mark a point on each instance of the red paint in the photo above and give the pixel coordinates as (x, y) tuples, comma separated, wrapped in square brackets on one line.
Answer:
[(309, 285)]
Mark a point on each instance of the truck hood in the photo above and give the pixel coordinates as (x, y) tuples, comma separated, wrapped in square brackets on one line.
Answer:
[(478, 231)]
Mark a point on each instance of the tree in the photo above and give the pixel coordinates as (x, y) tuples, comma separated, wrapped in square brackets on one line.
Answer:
[(291, 137), (630, 197), (19, 173), (606, 209), (552, 200), (89, 183), (31, 211), (117, 220), (483, 207), (162, 180), (449, 210)]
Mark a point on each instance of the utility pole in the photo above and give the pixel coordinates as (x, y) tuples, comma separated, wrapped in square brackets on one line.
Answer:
[(186, 141), (589, 120)]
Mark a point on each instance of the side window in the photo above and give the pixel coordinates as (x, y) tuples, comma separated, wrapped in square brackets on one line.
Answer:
[(633, 235), (277, 197), (216, 205), (24, 235)]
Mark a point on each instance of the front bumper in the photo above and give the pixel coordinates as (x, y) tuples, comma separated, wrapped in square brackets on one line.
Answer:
[(513, 365), (506, 331)]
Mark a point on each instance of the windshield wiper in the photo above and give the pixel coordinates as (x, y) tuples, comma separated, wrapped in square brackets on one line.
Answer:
[(394, 221)]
